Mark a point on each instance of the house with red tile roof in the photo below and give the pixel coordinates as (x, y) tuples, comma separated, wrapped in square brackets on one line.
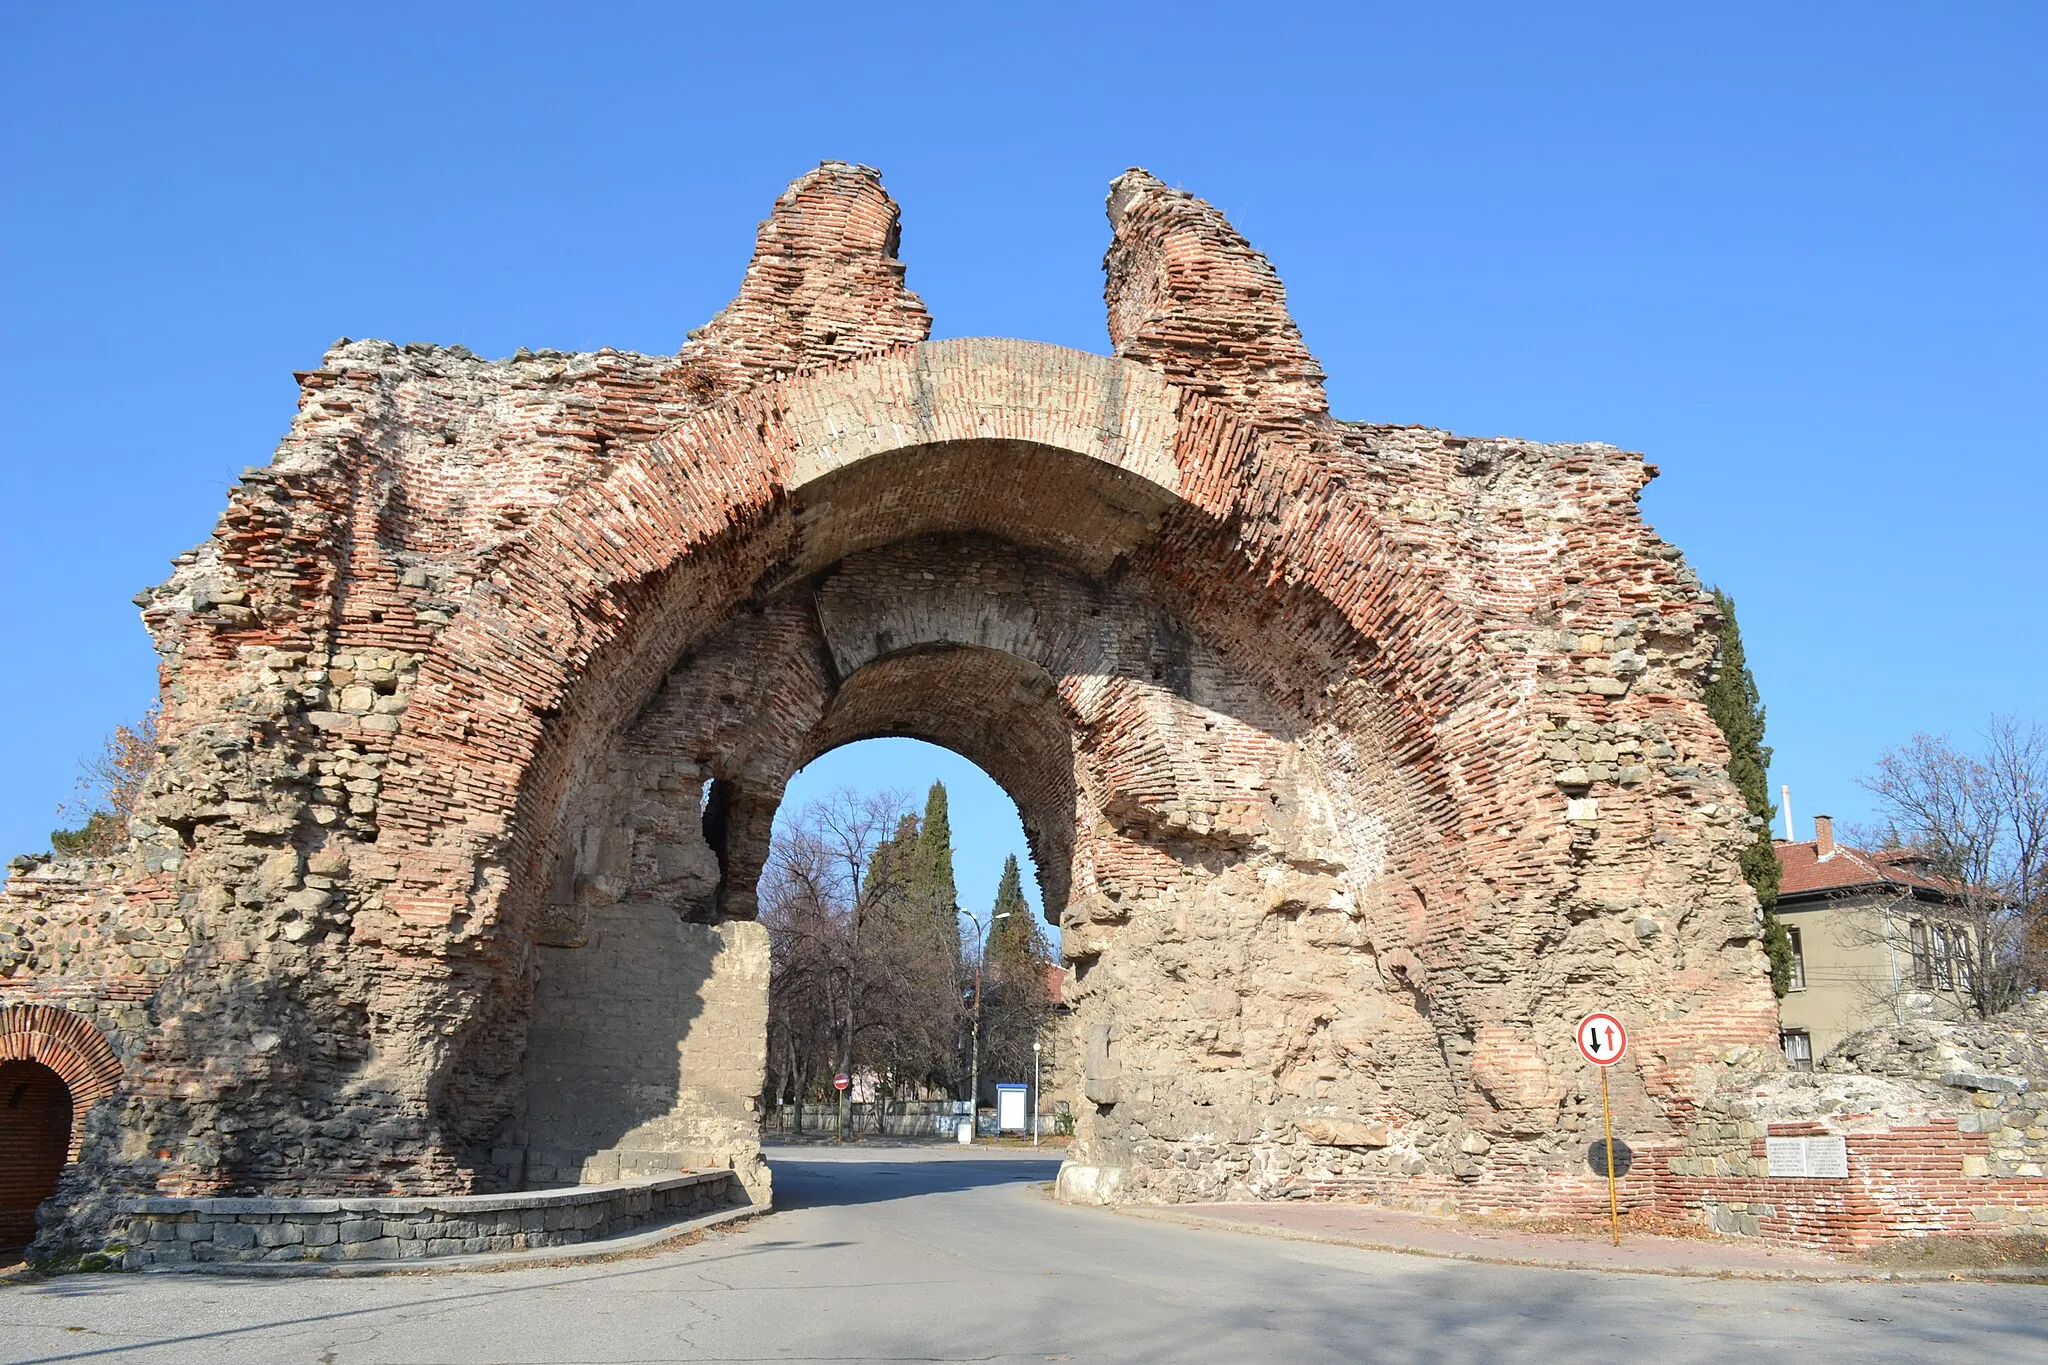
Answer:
[(1875, 937)]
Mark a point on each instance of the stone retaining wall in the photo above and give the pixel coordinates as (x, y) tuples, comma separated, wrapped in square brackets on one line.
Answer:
[(169, 1231), (1912, 1180)]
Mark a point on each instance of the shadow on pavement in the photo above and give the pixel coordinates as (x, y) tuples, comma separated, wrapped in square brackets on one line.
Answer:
[(821, 1184)]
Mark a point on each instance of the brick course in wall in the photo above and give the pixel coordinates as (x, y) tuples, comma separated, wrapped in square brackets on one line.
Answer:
[(1909, 1181), (1358, 760)]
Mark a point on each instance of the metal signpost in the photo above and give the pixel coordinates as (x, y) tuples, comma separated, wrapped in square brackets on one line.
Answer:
[(1603, 1042)]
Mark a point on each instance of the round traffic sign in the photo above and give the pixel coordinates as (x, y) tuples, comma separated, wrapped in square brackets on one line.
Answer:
[(1602, 1039), (841, 1081)]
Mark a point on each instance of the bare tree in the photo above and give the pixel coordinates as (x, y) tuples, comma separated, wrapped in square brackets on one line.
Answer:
[(855, 984), (1976, 824), (2016, 765), (109, 790), (806, 931)]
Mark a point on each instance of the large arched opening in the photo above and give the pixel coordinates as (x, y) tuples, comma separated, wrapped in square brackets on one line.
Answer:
[(1155, 781), (987, 545), (485, 696), (903, 909)]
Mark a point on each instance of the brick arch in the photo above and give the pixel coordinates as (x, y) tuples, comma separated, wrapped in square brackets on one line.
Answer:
[(1096, 461), (1000, 712), (418, 649), (1117, 467), (774, 484), (70, 1045)]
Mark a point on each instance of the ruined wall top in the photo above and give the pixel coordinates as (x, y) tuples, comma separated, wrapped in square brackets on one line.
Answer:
[(1189, 297), (824, 285)]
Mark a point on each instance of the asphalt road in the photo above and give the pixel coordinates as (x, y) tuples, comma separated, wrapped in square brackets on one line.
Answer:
[(923, 1254)]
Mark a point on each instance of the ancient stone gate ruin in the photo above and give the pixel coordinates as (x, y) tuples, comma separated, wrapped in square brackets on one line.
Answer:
[(1357, 760)]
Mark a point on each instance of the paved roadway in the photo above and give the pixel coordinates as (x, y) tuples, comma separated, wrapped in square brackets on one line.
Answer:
[(923, 1254)]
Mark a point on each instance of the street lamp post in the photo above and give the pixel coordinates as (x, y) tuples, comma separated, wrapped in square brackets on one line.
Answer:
[(974, 1037)]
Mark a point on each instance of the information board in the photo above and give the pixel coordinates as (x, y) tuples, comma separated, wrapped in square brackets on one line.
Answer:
[(1011, 1102)]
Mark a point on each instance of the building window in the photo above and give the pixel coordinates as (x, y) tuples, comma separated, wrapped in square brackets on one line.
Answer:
[(1798, 1045), (1798, 960), (1952, 956), (1941, 955)]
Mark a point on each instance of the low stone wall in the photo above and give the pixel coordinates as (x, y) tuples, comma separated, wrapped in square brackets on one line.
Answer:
[(173, 1231), (1926, 1128), (1936, 1178)]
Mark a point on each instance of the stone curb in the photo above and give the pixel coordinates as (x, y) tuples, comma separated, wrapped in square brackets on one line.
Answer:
[(1846, 1274), (649, 1239)]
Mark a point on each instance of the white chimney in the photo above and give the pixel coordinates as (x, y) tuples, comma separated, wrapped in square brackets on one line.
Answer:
[(1785, 800)]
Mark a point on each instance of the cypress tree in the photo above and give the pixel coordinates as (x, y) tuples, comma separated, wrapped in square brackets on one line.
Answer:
[(932, 893), (94, 839), (1734, 703), (889, 867), (1010, 928), (1015, 959)]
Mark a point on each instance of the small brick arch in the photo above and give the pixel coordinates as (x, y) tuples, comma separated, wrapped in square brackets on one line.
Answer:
[(70, 1045)]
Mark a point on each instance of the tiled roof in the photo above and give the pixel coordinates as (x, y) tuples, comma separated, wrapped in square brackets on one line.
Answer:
[(1806, 873)]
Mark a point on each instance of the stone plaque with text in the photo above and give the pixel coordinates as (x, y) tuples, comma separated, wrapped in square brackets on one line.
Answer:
[(1811, 1158)]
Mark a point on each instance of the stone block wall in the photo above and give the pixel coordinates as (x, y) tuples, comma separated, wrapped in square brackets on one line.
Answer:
[(646, 1054), (1942, 1122), (169, 1233)]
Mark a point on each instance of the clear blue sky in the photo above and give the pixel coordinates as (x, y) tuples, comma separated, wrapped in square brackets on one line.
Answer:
[(1795, 253), (986, 827)]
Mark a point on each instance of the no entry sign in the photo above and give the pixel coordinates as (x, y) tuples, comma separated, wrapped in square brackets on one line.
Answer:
[(841, 1081), (1602, 1039)]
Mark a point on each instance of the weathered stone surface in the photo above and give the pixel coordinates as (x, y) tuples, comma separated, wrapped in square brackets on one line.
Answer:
[(1353, 757), (1346, 1133), (1978, 1080), (646, 1053), (1942, 1131)]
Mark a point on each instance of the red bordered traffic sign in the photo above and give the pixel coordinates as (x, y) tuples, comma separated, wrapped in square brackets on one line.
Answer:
[(1602, 1039)]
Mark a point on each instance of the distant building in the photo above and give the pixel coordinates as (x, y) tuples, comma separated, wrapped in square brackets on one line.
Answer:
[(1875, 939), (1060, 1056)]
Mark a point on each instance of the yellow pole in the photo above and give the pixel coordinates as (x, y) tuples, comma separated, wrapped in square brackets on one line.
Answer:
[(1607, 1122)]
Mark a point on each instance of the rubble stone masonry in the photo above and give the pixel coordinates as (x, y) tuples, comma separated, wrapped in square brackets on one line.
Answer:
[(1357, 761)]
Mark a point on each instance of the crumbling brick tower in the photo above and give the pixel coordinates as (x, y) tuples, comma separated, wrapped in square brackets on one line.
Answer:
[(1357, 761)]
